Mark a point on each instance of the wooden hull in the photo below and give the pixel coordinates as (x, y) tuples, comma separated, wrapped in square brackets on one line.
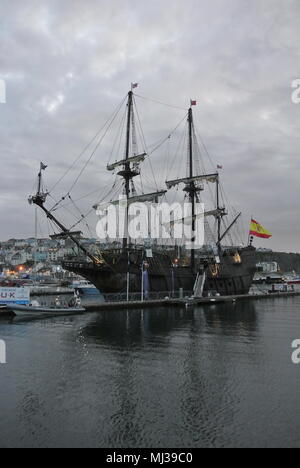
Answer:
[(230, 277)]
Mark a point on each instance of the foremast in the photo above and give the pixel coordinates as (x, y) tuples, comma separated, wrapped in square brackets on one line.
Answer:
[(40, 199)]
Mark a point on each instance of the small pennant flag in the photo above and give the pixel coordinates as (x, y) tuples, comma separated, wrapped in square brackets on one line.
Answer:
[(134, 85), (193, 103), (258, 230), (43, 166), (219, 166)]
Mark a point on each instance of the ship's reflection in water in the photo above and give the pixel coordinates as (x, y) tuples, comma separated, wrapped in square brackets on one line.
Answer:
[(120, 328), (201, 377), (169, 380)]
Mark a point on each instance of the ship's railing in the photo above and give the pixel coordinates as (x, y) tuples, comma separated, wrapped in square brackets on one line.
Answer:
[(153, 296)]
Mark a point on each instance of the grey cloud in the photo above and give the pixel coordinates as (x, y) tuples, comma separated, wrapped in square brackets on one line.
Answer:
[(68, 64)]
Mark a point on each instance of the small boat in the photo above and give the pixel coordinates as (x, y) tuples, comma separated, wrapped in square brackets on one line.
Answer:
[(293, 280), (3, 308), (44, 311), (85, 288)]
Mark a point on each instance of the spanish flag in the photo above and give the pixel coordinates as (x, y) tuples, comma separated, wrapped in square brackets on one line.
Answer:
[(257, 230)]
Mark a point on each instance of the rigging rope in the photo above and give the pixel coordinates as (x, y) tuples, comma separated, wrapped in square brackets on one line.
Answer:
[(75, 206), (144, 142), (119, 136), (92, 155), (83, 217), (167, 137), (66, 209), (84, 196), (224, 197), (160, 102), (181, 144), (108, 122)]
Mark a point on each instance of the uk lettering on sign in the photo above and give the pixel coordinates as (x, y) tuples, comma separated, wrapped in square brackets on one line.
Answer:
[(14, 296)]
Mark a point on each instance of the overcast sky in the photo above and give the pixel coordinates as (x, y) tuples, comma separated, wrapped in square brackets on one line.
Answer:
[(68, 63)]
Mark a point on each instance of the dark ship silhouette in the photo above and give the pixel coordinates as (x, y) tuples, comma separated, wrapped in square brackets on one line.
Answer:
[(131, 268)]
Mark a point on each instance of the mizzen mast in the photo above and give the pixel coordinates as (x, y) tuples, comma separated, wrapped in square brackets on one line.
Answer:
[(194, 184)]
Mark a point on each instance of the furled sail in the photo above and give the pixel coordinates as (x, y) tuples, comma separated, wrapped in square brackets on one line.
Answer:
[(132, 160), (147, 197), (189, 180), (205, 214)]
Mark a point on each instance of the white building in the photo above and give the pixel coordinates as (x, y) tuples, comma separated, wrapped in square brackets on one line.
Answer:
[(52, 256), (268, 267), (18, 258)]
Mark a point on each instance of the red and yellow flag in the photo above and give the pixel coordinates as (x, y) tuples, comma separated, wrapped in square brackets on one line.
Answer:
[(257, 230)]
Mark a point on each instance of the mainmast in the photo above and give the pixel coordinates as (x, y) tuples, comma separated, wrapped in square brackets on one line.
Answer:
[(127, 173), (191, 188), (219, 217), (130, 169)]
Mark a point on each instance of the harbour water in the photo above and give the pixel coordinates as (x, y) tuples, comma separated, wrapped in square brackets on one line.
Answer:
[(213, 376)]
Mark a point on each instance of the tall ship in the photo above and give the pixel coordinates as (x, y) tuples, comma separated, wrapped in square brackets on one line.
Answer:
[(150, 267)]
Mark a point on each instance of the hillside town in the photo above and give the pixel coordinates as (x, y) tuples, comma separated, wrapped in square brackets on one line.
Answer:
[(22, 257)]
